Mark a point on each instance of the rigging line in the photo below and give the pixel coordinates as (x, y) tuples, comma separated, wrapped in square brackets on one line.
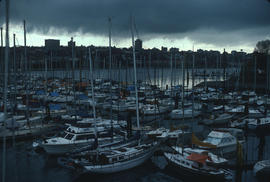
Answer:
[(135, 27)]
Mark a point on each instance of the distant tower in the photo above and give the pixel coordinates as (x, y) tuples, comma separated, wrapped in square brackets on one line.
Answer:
[(138, 45), (70, 44)]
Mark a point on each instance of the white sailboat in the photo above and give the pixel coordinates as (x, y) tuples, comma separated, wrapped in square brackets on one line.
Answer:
[(122, 158)]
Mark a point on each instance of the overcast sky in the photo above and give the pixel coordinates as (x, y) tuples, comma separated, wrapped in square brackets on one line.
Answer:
[(208, 24)]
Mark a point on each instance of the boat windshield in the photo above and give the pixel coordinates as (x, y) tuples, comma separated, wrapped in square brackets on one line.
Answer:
[(212, 140), (62, 134), (69, 136)]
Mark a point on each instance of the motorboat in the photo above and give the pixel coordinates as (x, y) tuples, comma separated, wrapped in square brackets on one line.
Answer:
[(223, 143), (179, 114), (77, 137), (262, 168)]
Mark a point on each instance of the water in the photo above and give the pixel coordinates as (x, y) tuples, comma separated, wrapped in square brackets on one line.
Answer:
[(25, 165), (160, 77)]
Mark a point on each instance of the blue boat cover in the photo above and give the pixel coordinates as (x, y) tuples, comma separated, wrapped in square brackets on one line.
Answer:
[(131, 88), (82, 97), (55, 107), (54, 94), (40, 92)]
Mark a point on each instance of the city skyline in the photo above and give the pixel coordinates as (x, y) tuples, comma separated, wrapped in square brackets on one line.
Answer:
[(208, 25)]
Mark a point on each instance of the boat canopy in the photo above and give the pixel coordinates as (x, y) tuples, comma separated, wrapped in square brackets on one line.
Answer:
[(197, 157)]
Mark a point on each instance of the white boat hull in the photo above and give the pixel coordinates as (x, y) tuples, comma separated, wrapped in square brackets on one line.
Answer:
[(121, 166), (57, 149)]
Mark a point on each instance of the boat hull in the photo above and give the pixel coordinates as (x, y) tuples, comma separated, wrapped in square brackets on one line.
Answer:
[(121, 166), (63, 148), (199, 175)]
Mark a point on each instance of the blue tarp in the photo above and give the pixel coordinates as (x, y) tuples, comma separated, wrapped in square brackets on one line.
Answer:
[(82, 97), (54, 94), (40, 92), (82, 113), (55, 107), (131, 88)]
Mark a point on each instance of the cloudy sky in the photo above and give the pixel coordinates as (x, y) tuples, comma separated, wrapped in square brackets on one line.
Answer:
[(206, 24)]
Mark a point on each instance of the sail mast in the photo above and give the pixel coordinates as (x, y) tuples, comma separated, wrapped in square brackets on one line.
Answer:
[(15, 69), (92, 90), (183, 87), (135, 75), (26, 74), (193, 63), (110, 70)]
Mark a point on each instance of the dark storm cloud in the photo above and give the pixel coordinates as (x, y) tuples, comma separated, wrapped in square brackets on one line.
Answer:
[(162, 17)]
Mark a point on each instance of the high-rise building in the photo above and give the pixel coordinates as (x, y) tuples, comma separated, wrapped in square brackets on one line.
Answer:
[(138, 44), (52, 44)]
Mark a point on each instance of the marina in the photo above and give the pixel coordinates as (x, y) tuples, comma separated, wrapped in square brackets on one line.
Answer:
[(94, 113)]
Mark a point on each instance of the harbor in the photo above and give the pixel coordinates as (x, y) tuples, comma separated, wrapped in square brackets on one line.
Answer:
[(104, 113)]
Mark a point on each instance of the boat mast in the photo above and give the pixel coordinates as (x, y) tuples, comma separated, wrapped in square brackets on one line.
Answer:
[(255, 75), (217, 70), (46, 82), (149, 67), (171, 73), (92, 90), (15, 70), (183, 88), (1, 63), (26, 75), (5, 91), (73, 67), (193, 63), (205, 74), (110, 71), (135, 74)]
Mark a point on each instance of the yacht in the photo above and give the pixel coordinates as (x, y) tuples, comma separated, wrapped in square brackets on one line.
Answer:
[(223, 142), (77, 137)]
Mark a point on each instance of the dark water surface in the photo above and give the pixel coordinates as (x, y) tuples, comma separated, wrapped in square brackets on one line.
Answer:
[(25, 165)]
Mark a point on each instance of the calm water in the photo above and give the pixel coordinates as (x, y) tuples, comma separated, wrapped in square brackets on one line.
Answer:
[(160, 77), (25, 165)]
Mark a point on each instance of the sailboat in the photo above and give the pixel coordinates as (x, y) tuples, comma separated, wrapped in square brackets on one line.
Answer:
[(194, 166), (89, 134), (122, 158)]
